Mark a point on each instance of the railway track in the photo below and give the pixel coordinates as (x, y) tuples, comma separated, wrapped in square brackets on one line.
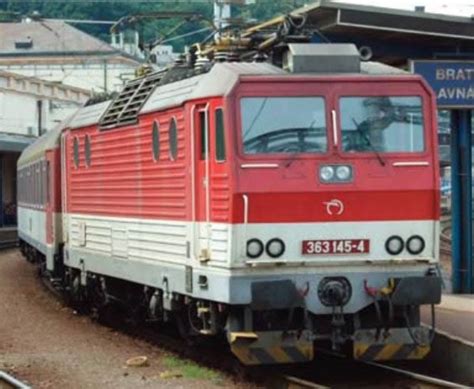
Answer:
[(9, 382), (326, 373), (323, 372)]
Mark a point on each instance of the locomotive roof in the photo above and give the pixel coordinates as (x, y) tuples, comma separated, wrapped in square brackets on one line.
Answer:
[(219, 81), (89, 115), (47, 141)]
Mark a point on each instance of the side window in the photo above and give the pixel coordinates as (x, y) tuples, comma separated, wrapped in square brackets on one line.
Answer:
[(203, 142), (87, 150), (48, 181), (41, 183), (35, 183), (173, 138), (220, 135), (155, 140), (76, 152)]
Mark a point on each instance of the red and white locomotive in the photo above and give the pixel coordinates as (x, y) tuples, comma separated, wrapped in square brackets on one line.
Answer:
[(282, 210)]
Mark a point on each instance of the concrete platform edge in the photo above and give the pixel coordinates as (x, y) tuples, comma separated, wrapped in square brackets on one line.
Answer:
[(452, 357)]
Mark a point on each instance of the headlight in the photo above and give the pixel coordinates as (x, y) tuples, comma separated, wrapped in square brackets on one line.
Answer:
[(343, 173), (415, 244), (254, 248), (326, 173), (275, 248), (394, 245)]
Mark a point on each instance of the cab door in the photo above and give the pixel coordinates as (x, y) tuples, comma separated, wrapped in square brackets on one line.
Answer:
[(200, 128)]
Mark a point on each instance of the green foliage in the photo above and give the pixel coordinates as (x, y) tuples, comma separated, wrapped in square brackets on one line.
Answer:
[(190, 370), (150, 30)]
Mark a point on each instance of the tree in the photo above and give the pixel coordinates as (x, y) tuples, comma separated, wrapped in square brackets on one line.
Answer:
[(151, 30)]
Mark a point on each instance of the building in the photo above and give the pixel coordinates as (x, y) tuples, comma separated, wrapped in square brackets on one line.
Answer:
[(56, 51), (28, 108)]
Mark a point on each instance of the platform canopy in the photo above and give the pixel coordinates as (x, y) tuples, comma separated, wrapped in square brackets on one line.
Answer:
[(14, 142), (392, 35)]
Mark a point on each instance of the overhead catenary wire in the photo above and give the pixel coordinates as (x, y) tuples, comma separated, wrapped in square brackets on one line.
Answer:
[(186, 34)]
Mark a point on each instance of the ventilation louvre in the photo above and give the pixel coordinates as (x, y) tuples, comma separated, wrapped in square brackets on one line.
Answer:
[(126, 106)]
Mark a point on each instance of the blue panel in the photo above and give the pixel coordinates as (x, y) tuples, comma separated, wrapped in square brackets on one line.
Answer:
[(452, 81), (461, 165), (1, 191)]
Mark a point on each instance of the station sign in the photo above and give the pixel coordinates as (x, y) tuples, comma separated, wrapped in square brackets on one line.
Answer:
[(452, 81)]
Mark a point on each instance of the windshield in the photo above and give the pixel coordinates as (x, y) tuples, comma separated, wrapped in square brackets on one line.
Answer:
[(382, 124), (283, 125)]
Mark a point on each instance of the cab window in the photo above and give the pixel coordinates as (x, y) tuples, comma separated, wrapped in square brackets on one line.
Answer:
[(382, 124), (283, 125)]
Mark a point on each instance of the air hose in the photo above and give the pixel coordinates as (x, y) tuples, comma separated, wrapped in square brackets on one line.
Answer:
[(410, 329)]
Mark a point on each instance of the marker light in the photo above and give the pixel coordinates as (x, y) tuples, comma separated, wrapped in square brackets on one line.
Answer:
[(326, 173), (254, 248), (415, 244), (394, 245), (275, 248), (337, 174)]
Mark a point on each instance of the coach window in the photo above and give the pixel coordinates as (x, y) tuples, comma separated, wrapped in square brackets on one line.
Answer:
[(155, 135), (41, 184), (173, 136), (48, 179), (87, 150), (220, 135), (45, 183), (76, 151)]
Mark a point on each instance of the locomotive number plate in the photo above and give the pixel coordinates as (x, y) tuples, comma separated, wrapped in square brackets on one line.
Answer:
[(336, 246)]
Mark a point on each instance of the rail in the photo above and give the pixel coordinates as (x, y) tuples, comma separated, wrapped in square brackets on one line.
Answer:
[(11, 382), (418, 377)]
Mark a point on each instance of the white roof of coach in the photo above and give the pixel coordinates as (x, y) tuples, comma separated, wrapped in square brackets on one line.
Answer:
[(87, 116), (36, 150), (219, 81)]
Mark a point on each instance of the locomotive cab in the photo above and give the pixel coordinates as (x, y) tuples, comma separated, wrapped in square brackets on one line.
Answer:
[(335, 215), (357, 151)]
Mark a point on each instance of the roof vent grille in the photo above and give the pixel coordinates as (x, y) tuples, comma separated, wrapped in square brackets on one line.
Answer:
[(126, 106)]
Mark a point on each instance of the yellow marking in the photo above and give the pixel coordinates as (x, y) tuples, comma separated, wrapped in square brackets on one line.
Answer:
[(242, 335), (278, 354), (419, 352), (387, 352), (307, 351), (360, 349), (244, 355)]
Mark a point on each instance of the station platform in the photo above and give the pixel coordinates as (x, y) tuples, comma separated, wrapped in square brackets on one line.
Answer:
[(454, 316), (452, 350)]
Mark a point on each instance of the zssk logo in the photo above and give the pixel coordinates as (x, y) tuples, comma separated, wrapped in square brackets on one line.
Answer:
[(334, 207)]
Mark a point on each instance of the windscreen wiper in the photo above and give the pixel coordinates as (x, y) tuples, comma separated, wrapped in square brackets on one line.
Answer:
[(293, 156), (369, 143)]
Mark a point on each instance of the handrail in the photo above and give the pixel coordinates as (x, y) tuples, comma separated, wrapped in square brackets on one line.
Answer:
[(245, 198), (246, 208), (334, 127)]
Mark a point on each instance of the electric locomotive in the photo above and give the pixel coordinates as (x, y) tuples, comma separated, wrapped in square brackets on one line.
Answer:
[(287, 209)]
